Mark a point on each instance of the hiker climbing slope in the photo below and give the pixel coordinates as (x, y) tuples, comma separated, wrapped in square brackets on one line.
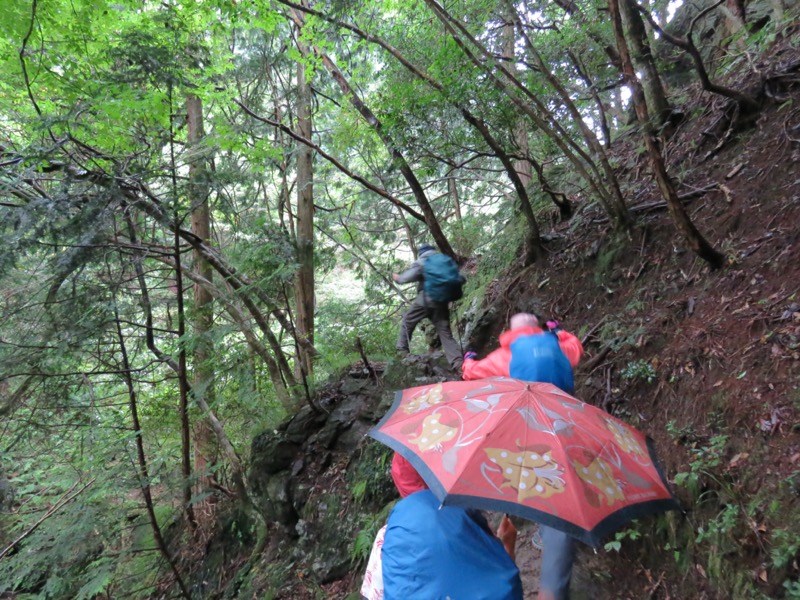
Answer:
[(438, 284), (529, 353)]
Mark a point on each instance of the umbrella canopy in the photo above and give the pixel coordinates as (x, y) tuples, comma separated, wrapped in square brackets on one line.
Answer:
[(528, 449)]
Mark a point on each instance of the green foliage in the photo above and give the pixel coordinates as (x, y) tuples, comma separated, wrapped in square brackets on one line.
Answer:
[(97, 170), (792, 587), (784, 547), (339, 323), (607, 257), (371, 481), (639, 370), (362, 544), (619, 334), (630, 533), (703, 464)]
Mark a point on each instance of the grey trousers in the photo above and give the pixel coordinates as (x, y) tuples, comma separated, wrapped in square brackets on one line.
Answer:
[(439, 315), (558, 554)]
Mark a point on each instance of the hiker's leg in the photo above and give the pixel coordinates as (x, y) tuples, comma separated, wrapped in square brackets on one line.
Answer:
[(440, 316), (415, 313), (557, 558)]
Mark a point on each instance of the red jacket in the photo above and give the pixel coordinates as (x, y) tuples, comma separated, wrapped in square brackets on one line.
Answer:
[(496, 363)]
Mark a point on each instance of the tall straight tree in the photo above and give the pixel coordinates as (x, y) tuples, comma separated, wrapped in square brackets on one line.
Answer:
[(205, 449), (657, 103), (304, 232)]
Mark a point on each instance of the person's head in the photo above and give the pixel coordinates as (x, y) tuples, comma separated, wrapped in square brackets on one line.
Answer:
[(406, 477), (520, 320), (425, 249)]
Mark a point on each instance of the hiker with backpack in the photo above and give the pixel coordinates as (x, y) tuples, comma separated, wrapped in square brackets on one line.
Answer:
[(530, 353), (438, 284)]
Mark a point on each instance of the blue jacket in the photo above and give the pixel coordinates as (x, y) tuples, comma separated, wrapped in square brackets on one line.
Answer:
[(438, 553), (539, 358)]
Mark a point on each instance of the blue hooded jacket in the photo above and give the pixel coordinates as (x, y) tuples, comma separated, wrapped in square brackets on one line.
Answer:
[(539, 358), (433, 552)]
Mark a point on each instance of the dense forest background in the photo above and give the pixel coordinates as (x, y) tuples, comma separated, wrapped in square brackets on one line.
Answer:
[(202, 205)]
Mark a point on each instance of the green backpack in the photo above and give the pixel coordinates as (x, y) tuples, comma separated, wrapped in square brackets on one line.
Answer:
[(441, 280)]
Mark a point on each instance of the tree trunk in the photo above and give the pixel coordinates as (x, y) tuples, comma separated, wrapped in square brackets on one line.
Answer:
[(304, 241), (452, 188), (142, 471), (519, 129), (532, 247), (205, 448), (183, 393), (657, 103), (545, 121), (696, 241)]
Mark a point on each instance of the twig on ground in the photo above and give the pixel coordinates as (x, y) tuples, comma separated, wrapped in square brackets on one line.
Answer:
[(593, 329)]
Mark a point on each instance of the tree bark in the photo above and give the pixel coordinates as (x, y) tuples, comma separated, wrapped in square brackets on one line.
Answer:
[(620, 213), (468, 116), (654, 92), (532, 249), (694, 238), (452, 188), (304, 239), (746, 103), (183, 392), (205, 448)]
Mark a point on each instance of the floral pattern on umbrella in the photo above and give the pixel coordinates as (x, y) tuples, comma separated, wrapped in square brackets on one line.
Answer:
[(624, 438), (530, 474), (434, 433), (426, 399), (528, 449), (600, 475)]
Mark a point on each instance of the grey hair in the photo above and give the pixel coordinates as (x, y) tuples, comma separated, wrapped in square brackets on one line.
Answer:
[(523, 320)]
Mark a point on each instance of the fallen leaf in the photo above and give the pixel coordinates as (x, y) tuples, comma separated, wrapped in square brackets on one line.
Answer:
[(795, 458), (762, 575), (736, 460), (717, 384), (700, 570)]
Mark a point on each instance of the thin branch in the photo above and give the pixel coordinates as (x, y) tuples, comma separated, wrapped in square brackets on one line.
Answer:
[(63, 501), (381, 192)]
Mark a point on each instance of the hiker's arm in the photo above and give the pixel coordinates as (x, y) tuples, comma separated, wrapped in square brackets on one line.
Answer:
[(494, 365), (571, 347), (413, 273)]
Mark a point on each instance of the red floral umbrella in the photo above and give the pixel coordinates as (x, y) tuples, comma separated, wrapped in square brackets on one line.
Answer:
[(527, 449)]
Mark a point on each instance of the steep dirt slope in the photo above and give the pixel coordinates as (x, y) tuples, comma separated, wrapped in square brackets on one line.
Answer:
[(707, 363)]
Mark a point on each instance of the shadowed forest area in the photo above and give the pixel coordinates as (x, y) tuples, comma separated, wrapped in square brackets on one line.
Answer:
[(202, 205)]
